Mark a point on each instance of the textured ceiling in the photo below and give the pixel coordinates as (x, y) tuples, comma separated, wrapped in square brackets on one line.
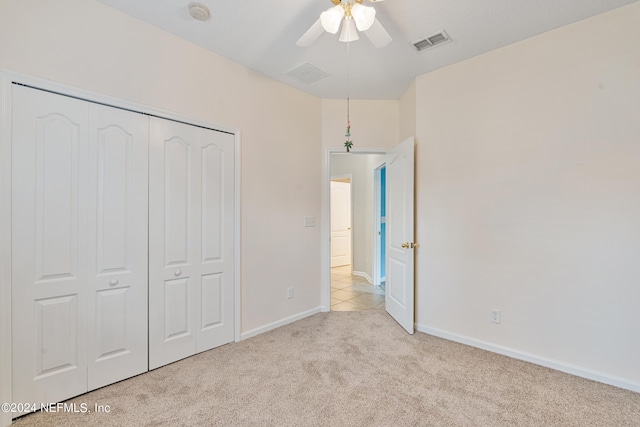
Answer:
[(262, 36)]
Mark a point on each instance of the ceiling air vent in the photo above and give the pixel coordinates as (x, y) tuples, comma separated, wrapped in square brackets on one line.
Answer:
[(306, 73), (432, 41)]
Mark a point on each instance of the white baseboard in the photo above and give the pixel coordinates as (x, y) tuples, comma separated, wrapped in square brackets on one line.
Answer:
[(277, 324), (363, 274), (537, 360)]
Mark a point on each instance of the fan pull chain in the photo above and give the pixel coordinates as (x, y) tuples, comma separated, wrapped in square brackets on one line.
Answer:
[(348, 143)]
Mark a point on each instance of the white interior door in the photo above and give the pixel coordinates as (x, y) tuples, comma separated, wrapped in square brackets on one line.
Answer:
[(49, 241), (399, 290), (217, 156), (191, 222), (118, 246), (174, 241), (340, 223)]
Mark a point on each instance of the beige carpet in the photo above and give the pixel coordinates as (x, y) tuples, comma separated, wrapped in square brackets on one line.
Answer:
[(351, 369)]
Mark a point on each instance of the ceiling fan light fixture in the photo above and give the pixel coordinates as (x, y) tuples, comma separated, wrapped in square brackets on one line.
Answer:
[(363, 16), (356, 18), (349, 32), (331, 19)]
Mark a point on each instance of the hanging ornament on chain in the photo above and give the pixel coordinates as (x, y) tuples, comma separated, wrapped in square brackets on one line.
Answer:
[(348, 143)]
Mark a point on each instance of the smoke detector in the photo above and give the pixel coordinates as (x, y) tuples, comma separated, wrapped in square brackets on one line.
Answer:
[(199, 11)]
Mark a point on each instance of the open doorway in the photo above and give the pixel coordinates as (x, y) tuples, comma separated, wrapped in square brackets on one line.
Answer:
[(400, 244), (354, 232)]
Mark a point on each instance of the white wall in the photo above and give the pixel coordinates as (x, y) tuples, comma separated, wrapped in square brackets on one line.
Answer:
[(361, 167), (407, 112), (374, 123), (528, 197), (86, 44)]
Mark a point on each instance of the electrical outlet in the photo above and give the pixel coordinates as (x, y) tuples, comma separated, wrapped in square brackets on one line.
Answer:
[(289, 293), (495, 316)]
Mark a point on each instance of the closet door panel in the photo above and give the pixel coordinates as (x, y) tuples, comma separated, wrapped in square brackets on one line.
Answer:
[(217, 159), (212, 158), (174, 241), (176, 309), (49, 238), (178, 209), (118, 224)]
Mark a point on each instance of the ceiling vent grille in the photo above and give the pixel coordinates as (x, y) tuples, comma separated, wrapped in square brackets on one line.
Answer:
[(432, 41), (307, 73)]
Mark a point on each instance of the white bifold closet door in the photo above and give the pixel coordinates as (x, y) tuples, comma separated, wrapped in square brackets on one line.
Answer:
[(118, 244), (191, 217), (79, 245)]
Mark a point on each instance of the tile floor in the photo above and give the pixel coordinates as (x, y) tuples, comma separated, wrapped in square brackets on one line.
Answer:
[(353, 293)]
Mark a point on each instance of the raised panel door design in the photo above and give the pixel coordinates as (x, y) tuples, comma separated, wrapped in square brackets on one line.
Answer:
[(400, 268), (212, 202), (215, 324), (174, 240), (49, 238), (176, 309), (114, 155), (212, 300), (177, 202), (111, 323), (56, 196), (339, 247), (56, 335), (397, 275), (397, 229), (191, 256), (117, 248), (86, 276)]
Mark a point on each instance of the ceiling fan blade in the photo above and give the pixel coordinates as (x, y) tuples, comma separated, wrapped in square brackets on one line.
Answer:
[(378, 35), (311, 35)]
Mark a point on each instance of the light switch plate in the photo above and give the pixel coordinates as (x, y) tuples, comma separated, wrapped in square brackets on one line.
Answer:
[(309, 221)]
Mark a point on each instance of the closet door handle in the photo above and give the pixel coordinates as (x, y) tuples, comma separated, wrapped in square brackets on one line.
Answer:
[(113, 282), (177, 273)]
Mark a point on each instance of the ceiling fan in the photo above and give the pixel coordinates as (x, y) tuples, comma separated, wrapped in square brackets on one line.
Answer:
[(354, 17)]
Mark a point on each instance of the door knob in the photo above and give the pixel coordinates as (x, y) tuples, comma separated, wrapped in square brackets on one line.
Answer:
[(113, 282), (177, 273), (411, 245)]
